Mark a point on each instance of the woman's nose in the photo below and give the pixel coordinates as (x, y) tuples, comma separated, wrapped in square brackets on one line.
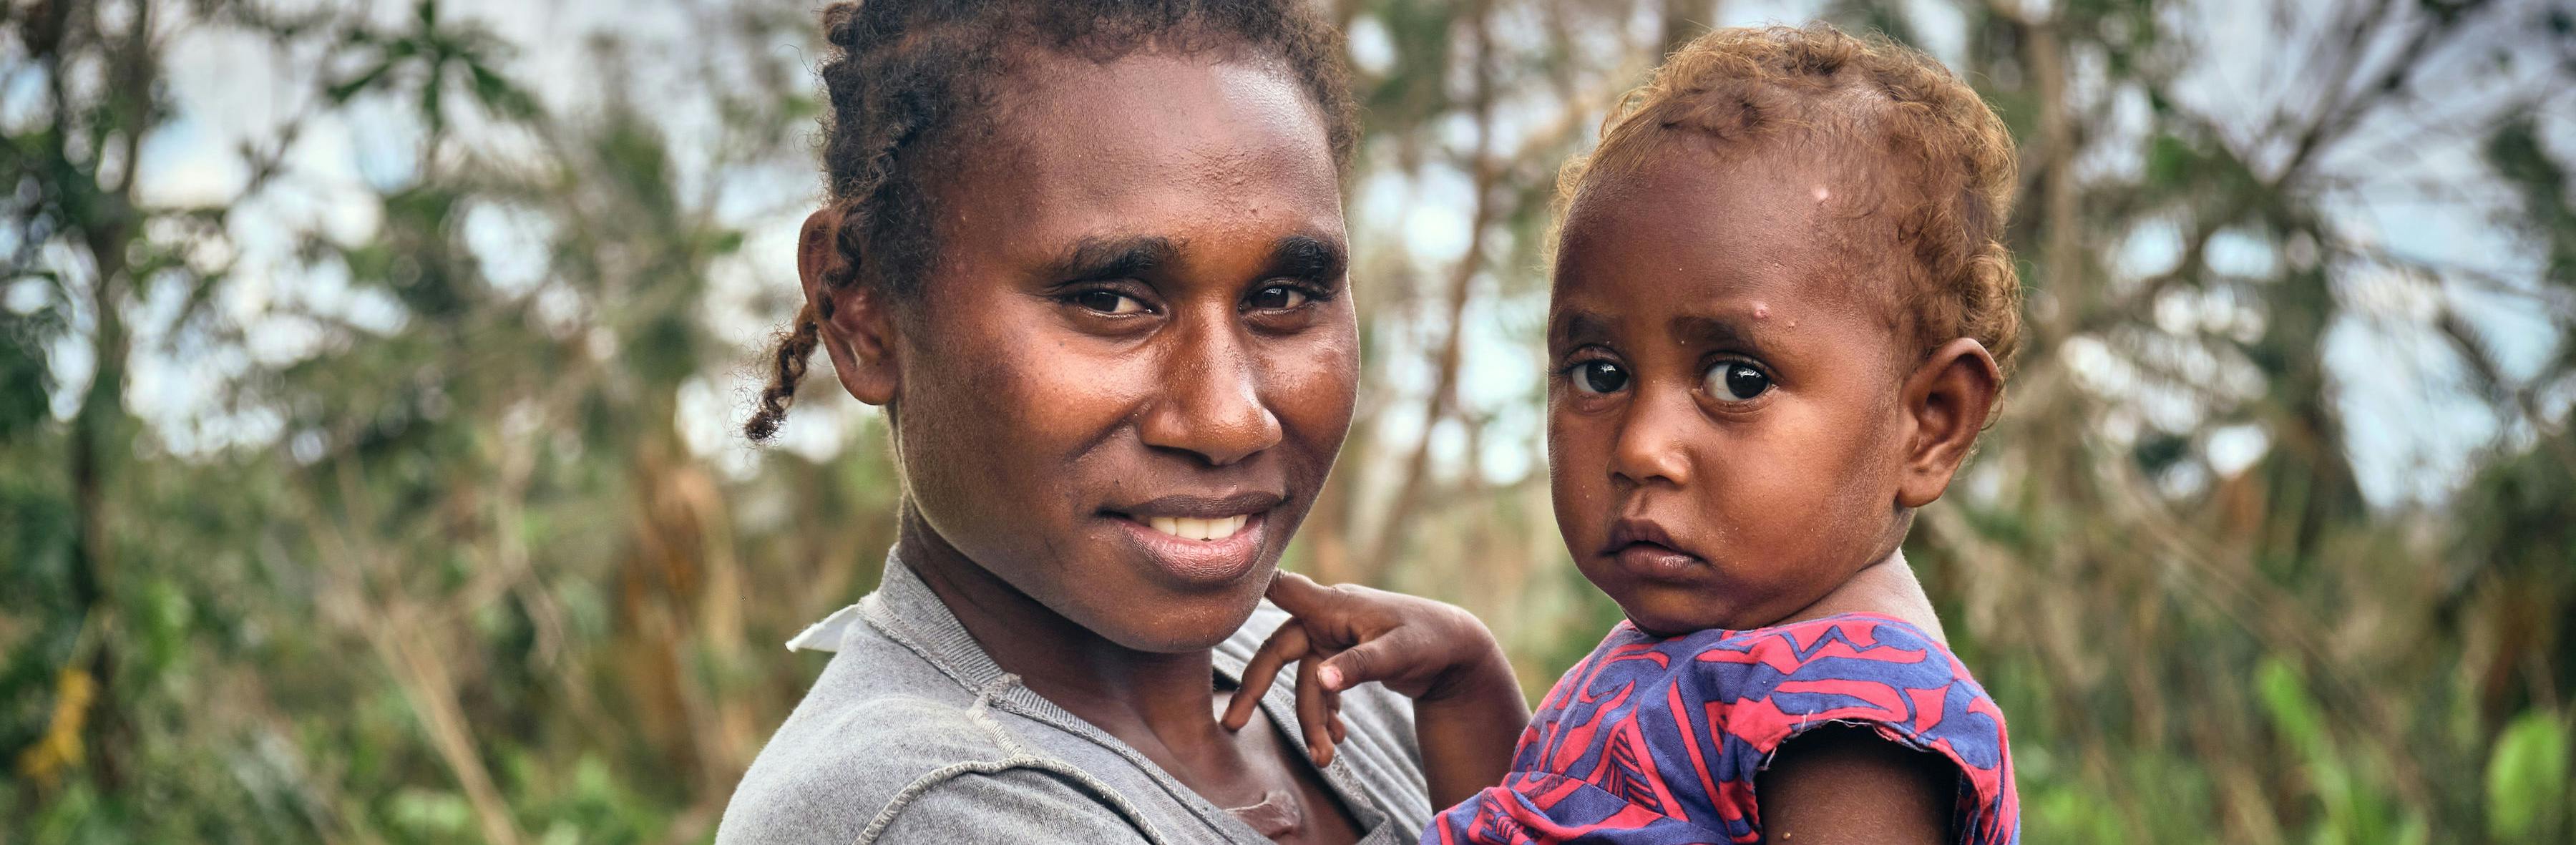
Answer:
[(1651, 444), (1211, 404)]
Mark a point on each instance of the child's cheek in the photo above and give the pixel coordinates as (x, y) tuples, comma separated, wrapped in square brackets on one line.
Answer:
[(1578, 478)]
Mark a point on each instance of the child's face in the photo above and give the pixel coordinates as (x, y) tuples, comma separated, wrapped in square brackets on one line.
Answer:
[(1726, 437)]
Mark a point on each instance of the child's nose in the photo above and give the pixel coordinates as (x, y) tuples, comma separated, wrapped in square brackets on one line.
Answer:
[(1652, 442)]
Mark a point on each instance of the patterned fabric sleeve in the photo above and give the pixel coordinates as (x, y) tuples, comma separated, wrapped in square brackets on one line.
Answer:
[(1867, 671), (1659, 741)]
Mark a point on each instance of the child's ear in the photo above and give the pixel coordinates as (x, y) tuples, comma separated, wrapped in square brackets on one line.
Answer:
[(853, 322), (1946, 402)]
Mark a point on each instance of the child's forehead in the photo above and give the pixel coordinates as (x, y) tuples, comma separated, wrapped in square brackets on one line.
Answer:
[(1833, 176), (1771, 225)]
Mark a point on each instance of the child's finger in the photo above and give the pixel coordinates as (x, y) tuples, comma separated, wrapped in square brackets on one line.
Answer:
[(1314, 715), (1379, 659), (1286, 644), (1299, 595), (1340, 732)]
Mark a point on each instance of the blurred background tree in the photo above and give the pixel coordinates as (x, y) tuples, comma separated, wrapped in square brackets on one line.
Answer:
[(368, 377)]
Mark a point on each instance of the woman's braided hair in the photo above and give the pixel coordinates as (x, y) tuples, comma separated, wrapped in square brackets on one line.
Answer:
[(904, 76), (1839, 94)]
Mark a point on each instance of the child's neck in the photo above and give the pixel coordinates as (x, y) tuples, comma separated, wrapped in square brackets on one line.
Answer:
[(1887, 587)]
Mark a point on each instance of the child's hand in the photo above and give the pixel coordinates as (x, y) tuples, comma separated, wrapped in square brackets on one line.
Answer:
[(1434, 653)]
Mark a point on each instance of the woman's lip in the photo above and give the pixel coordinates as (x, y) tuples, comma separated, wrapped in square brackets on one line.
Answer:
[(1199, 507), (1200, 563)]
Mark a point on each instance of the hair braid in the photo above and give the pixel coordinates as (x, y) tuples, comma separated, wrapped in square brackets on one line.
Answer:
[(787, 367)]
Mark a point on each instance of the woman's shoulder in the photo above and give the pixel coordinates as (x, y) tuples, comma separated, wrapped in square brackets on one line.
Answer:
[(842, 761), (926, 773), (882, 729)]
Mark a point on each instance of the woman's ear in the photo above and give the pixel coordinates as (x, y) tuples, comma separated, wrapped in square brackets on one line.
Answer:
[(1946, 401), (853, 322)]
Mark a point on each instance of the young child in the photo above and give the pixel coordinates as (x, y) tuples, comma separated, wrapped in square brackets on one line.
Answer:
[(1778, 323)]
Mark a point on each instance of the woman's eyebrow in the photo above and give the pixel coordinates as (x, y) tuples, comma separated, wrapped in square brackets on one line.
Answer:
[(1097, 258), (1307, 258)]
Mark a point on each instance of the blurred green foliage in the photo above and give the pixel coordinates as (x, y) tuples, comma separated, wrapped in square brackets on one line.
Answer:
[(474, 573)]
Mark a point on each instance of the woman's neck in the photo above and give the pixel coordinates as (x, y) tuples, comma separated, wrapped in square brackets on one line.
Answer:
[(1119, 689)]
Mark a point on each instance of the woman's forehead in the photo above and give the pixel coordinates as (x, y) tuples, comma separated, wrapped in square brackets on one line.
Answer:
[(1074, 143)]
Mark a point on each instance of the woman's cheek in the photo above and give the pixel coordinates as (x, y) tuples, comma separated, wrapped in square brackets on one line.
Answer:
[(1312, 386)]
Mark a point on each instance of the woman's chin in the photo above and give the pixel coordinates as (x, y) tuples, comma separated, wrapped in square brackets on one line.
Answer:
[(1160, 622)]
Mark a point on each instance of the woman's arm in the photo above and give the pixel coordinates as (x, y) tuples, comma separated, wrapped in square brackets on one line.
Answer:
[(1467, 704), (1847, 784)]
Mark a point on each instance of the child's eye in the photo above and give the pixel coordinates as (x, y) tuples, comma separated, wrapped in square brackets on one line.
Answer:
[(1736, 381), (1278, 298), (1107, 302), (1597, 376)]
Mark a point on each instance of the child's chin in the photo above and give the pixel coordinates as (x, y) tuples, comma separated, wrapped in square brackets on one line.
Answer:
[(1666, 612)]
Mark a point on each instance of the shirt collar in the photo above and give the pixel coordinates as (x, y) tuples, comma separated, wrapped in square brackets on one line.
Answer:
[(906, 610)]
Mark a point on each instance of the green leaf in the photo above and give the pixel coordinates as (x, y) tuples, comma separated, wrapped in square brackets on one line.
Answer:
[(497, 94), (2527, 777), (2286, 699), (341, 93)]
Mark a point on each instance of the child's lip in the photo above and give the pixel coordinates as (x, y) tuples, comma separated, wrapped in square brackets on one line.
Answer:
[(1657, 562), (1632, 531)]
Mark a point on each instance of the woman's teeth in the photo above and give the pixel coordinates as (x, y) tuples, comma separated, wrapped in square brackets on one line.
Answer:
[(1198, 529)]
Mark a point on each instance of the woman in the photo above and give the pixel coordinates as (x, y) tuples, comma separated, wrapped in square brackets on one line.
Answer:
[(1089, 256)]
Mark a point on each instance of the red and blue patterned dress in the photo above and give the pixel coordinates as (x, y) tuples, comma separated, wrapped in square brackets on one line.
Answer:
[(1658, 740)]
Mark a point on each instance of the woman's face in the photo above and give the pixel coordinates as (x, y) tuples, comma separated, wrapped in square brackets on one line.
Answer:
[(1126, 377)]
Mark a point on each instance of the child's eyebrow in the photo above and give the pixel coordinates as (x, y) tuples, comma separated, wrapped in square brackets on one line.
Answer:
[(1580, 327), (1706, 330), (1099, 258)]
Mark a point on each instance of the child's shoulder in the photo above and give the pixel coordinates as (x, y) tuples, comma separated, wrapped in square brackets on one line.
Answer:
[(1868, 644), (1765, 685), (1844, 642), (1778, 681), (1710, 709)]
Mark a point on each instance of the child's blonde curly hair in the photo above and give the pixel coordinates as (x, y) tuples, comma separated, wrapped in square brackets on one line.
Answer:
[(1738, 87)]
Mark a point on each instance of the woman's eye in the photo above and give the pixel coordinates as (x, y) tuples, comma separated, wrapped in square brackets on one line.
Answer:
[(1108, 302), (1600, 377), (1278, 298), (1736, 382)]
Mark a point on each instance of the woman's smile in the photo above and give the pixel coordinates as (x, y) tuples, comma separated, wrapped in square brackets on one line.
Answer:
[(1199, 541)]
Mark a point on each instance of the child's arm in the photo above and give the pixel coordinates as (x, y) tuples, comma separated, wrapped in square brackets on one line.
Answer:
[(1467, 705), (1838, 785)]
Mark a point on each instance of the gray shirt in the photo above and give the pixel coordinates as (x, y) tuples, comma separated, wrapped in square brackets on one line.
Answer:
[(914, 735)]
